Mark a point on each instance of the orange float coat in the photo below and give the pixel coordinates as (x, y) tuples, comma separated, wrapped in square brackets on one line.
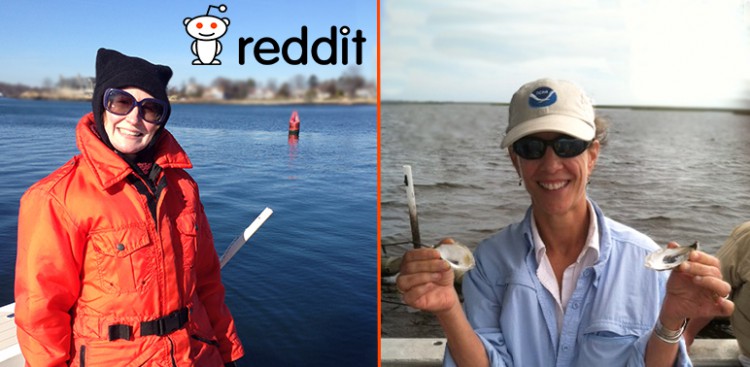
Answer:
[(94, 251)]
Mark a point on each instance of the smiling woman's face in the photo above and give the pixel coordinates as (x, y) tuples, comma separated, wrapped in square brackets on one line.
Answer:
[(557, 186), (130, 134)]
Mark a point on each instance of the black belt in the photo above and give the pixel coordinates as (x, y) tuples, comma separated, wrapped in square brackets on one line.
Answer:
[(161, 326)]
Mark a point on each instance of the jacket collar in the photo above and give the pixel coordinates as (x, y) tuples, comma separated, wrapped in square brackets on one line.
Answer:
[(109, 168)]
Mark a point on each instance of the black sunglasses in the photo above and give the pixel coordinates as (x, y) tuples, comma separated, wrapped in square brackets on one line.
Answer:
[(120, 102), (564, 146)]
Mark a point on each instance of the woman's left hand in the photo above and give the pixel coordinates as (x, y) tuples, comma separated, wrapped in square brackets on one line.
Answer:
[(695, 289)]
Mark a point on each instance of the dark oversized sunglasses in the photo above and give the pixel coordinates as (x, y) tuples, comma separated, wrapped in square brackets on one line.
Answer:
[(120, 102), (564, 146)]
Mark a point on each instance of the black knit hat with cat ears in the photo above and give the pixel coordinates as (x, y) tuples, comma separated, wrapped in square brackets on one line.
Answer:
[(115, 70)]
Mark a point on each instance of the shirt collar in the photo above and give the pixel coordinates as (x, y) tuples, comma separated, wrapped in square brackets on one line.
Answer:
[(589, 253)]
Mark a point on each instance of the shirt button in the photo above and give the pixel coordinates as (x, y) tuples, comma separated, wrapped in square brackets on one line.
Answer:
[(565, 348), (120, 247), (587, 272), (576, 305)]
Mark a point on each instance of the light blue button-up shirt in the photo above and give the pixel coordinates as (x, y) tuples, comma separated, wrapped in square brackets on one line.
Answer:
[(609, 317)]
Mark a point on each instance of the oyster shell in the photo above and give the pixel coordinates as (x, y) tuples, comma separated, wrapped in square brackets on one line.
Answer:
[(457, 255), (669, 258)]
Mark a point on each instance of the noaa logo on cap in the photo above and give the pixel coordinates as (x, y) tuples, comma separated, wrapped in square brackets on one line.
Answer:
[(542, 97)]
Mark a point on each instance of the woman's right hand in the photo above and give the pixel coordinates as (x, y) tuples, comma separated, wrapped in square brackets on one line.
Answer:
[(426, 281)]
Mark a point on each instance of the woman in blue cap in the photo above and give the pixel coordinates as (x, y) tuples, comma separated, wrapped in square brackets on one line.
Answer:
[(567, 285)]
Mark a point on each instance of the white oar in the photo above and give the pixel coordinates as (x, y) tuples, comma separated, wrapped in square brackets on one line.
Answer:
[(241, 239)]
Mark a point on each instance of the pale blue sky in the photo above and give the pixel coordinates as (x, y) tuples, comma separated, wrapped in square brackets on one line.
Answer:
[(47, 39), (631, 52)]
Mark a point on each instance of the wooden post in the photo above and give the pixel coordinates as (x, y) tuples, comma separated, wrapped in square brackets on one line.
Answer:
[(412, 201)]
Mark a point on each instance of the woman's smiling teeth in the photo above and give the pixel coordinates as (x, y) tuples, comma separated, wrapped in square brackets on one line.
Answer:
[(553, 185), (129, 132)]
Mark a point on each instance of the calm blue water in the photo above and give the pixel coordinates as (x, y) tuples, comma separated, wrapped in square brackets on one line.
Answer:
[(304, 289)]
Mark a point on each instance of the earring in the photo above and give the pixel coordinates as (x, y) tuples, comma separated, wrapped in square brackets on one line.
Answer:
[(520, 181)]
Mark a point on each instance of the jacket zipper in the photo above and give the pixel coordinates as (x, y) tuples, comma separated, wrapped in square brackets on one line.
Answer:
[(82, 358), (152, 193)]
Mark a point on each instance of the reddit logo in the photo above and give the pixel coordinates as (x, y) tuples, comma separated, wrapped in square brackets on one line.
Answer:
[(206, 30)]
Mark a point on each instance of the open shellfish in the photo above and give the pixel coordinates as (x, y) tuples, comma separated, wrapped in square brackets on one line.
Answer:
[(669, 258), (457, 255)]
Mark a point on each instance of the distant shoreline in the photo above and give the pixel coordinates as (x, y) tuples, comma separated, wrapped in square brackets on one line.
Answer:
[(740, 111), (372, 101), (259, 102), (280, 102)]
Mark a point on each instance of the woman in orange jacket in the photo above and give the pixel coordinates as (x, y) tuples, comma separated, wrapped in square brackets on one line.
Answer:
[(116, 264)]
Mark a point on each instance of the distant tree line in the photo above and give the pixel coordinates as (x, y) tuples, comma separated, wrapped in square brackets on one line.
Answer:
[(13, 90), (350, 84)]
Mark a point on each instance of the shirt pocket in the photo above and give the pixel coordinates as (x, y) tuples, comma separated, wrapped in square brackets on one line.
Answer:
[(608, 342), (125, 259)]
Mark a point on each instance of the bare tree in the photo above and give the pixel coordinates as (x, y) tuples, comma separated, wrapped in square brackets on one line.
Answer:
[(351, 80)]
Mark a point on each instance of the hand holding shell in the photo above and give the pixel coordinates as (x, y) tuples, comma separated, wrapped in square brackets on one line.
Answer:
[(669, 258), (457, 255)]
